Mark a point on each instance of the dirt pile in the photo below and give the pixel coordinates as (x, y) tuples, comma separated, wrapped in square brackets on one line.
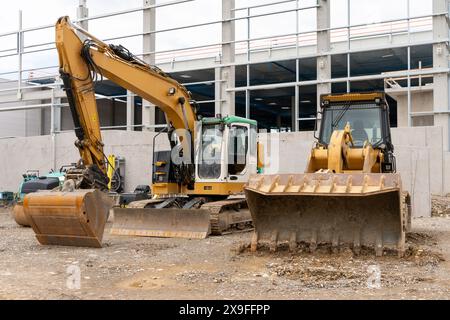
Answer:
[(440, 206), (325, 269)]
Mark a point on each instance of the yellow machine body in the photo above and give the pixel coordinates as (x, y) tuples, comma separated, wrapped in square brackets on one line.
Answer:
[(343, 198), (78, 217)]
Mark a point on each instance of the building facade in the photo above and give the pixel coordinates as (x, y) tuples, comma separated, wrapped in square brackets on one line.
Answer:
[(266, 60)]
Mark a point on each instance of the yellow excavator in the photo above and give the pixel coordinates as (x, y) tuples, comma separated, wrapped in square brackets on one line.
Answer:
[(349, 194), (196, 184)]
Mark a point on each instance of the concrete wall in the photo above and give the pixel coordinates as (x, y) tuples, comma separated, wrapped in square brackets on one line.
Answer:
[(421, 101), (446, 173), (424, 167), (20, 123), (37, 153)]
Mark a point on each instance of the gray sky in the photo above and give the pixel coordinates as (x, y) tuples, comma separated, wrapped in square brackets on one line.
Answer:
[(37, 13)]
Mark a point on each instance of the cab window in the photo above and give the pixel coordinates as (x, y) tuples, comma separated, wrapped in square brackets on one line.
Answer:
[(237, 149)]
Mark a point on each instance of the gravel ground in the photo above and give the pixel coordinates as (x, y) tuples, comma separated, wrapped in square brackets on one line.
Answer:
[(440, 206), (220, 268)]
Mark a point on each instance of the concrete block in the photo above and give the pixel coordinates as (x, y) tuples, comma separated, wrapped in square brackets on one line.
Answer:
[(446, 188), (413, 168), (286, 152)]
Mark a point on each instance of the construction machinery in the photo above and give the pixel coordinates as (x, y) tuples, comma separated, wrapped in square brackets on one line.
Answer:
[(6, 198), (210, 159), (349, 194), (116, 173), (141, 192)]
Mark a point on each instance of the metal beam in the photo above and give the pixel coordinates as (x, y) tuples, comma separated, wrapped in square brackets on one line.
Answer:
[(149, 45), (227, 74)]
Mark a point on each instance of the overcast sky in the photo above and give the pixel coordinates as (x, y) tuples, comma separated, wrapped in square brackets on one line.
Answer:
[(43, 12)]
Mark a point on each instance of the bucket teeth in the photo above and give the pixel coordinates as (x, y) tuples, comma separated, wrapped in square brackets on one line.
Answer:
[(313, 243), (254, 244), (335, 242), (357, 241), (379, 246), (293, 242), (274, 241), (401, 252)]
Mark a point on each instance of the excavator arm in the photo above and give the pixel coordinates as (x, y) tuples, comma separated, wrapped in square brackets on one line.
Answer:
[(77, 214), (83, 58)]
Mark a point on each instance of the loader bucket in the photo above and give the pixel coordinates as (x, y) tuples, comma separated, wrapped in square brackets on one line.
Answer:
[(325, 208), (162, 223), (74, 218)]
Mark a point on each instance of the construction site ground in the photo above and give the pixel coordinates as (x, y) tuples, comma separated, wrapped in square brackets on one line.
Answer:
[(221, 268)]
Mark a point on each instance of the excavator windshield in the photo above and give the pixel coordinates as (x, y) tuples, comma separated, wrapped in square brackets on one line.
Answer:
[(364, 119), (211, 152)]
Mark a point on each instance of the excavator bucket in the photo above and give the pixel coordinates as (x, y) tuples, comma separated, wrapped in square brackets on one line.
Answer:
[(162, 223), (325, 208), (74, 218), (19, 216)]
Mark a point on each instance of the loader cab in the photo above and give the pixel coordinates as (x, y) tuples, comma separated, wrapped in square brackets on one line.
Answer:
[(226, 149), (367, 114)]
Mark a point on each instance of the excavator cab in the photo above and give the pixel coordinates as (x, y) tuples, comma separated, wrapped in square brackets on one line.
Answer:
[(224, 157), (226, 153), (349, 194)]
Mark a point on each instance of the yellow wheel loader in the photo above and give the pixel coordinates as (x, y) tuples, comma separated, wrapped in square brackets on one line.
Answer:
[(195, 184), (349, 194)]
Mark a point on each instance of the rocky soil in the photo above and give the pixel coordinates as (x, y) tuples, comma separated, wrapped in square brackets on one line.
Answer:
[(221, 268)]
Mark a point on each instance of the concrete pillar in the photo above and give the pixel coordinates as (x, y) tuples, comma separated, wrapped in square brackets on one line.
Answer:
[(82, 13), (149, 45), (57, 115), (440, 60), (294, 111), (227, 74), (217, 90), (323, 49), (130, 111)]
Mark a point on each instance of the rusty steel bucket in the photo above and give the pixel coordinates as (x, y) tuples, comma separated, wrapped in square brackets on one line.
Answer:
[(75, 218), (19, 216), (326, 208), (161, 223)]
